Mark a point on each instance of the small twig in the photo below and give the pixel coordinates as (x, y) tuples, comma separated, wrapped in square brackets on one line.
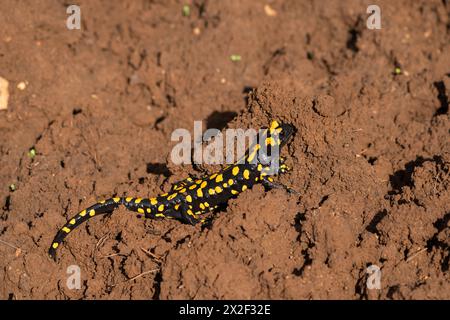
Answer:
[(18, 250), (415, 254), (101, 241), (142, 274), (9, 244), (152, 255), (98, 244), (114, 255), (361, 153), (136, 277)]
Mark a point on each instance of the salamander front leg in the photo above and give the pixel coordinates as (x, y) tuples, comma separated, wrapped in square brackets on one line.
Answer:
[(183, 213), (268, 182)]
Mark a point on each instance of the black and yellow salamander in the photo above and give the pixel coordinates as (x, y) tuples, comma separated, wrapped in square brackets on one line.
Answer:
[(189, 199)]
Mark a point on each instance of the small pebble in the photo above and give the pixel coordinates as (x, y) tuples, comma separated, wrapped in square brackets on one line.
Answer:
[(22, 85), (269, 11), (18, 252), (32, 153), (186, 10), (235, 57)]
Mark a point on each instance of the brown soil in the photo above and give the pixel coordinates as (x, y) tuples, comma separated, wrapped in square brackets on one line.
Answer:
[(370, 159)]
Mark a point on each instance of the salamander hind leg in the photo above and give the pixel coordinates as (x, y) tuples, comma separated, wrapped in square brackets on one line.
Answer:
[(183, 213)]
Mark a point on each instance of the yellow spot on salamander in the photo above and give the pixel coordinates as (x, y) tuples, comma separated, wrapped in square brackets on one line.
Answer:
[(253, 153), (72, 222), (198, 181), (246, 174), (153, 201), (219, 178), (225, 185), (189, 211), (202, 206), (244, 187), (138, 200), (235, 171), (234, 192), (188, 198), (102, 202), (259, 168), (66, 230), (183, 190), (213, 176), (128, 199), (206, 204), (83, 213), (92, 212), (140, 210), (211, 191), (230, 182), (55, 245), (204, 184), (270, 141), (172, 196), (193, 187), (159, 215), (161, 207), (148, 210), (218, 189), (177, 206), (116, 200), (274, 124), (199, 193)]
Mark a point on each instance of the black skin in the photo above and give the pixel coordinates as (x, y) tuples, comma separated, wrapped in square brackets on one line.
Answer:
[(185, 202)]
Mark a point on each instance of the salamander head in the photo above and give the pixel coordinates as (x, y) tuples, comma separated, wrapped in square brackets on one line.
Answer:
[(284, 131)]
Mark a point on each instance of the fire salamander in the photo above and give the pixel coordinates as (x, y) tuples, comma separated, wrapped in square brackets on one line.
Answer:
[(191, 198)]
